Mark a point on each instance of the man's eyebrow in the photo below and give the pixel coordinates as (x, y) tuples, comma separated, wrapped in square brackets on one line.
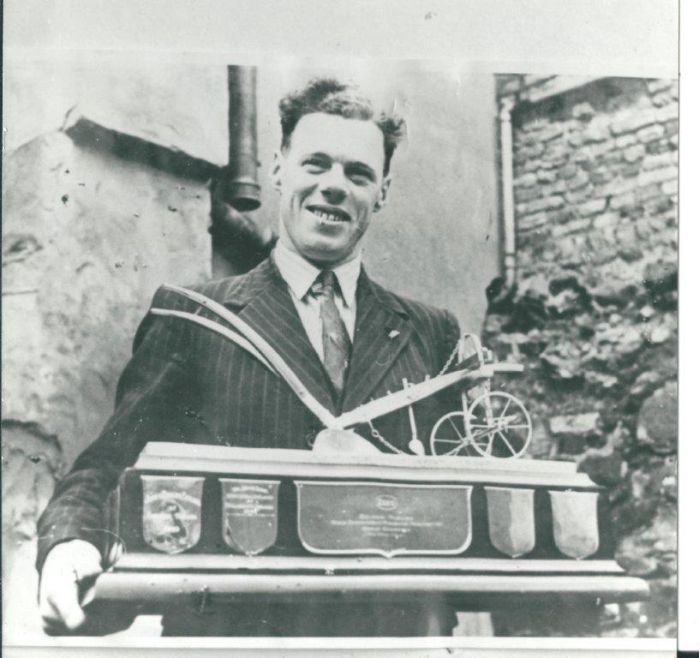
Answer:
[(316, 154)]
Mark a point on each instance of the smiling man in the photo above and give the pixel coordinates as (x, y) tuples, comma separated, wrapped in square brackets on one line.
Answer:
[(346, 338)]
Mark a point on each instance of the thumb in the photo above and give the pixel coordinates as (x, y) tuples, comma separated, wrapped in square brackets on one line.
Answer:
[(72, 613)]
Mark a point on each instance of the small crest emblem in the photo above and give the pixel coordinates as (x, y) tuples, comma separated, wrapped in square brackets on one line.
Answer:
[(575, 521), (386, 502), (249, 514), (511, 514), (172, 508)]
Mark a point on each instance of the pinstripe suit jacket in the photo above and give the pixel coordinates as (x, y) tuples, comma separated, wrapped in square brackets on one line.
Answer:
[(187, 383)]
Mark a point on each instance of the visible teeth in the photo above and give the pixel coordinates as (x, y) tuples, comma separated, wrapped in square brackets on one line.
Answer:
[(327, 217)]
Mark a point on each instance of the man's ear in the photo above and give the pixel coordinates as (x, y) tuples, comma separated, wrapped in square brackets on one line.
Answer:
[(383, 193), (276, 170)]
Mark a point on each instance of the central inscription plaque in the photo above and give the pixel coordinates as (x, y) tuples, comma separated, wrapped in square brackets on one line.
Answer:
[(388, 519)]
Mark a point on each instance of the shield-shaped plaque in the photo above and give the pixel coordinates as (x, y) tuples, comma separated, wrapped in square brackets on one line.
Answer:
[(249, 514), (575, 520), (511, 519), (172, 512)]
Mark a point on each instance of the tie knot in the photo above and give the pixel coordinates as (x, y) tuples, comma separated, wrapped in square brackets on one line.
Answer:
[(325, 284)]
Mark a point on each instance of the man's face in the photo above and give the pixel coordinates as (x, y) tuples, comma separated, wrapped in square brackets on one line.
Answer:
[(330, 180)]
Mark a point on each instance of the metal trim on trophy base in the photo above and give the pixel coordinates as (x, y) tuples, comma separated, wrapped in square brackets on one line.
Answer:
[(160, 587)]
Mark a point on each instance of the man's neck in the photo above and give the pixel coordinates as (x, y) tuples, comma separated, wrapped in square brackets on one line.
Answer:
[(300, 273)]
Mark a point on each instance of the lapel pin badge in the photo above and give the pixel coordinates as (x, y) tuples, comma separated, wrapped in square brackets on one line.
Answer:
[(394, 333)]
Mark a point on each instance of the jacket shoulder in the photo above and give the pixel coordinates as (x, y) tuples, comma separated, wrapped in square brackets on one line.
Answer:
[(232, 288)]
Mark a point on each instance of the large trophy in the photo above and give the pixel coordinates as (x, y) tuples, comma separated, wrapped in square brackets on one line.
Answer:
[(469, 522)]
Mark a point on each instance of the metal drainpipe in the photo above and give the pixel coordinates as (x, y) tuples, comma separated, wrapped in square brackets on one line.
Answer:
[(509, 253), (240, 178)]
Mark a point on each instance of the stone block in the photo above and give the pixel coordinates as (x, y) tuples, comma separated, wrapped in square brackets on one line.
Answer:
[(583, 111), (527, 180), (650, 133), (551, 132), (640, 551), (622, 201), (605, 470), (578, 181), (661, 160), (623, 141), (667, 113), (649, 191), (630, 170), (634, 153), (628, 244), (533, 221), (546, 176), (579, 195), (606, 220), (671, 127), (601, 381), (524, 194), (556, 155), (658, 84), (658, 175), (657, 423), (631, 121), (592, 207), (561, 216), (574, 138), (584, 425), (659, 205), (583, 156), (567, 171), (574, 226), (661, 146), (538, 205), (595, 133), (662, 100), (529, 152), (612, 158), (670, 186), (601, 176)]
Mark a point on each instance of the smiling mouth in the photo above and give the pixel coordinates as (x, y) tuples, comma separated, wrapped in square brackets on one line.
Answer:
[(332, 215)]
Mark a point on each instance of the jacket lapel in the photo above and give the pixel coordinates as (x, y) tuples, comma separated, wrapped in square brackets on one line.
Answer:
[(263, 301), (382, 330)]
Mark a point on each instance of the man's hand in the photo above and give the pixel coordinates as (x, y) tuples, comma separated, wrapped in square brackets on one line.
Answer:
[(69, 566)]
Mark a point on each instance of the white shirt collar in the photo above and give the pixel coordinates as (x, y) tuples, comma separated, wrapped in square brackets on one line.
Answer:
[(300, 274)]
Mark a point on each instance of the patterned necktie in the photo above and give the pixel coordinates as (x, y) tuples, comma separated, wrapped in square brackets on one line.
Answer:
[(336, 343)]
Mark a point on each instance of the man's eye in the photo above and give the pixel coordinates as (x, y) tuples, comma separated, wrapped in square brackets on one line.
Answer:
[(314, 165), (359, 177)]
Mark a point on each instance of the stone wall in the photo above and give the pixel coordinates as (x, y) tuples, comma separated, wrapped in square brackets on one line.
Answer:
[(88, 235), (593, 316)]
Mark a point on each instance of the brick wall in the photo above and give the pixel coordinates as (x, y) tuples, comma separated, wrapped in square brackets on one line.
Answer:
[(594, 314)]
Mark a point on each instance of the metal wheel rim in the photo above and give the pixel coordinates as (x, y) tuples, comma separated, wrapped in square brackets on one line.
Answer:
[(527, 422)]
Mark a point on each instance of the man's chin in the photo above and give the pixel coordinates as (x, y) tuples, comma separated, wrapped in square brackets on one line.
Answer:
[(324, 256)]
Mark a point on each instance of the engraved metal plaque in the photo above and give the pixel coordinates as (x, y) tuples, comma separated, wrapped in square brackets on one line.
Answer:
[(575, 517), (249, 514), (172, 508), (387, 519), (511, 519)]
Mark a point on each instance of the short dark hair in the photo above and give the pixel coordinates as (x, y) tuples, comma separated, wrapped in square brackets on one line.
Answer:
[(331, 96)]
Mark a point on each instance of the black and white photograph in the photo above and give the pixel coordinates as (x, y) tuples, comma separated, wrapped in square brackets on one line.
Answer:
[(337, 351)]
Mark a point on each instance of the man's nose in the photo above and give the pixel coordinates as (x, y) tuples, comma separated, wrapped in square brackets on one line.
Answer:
[(334, 185)]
